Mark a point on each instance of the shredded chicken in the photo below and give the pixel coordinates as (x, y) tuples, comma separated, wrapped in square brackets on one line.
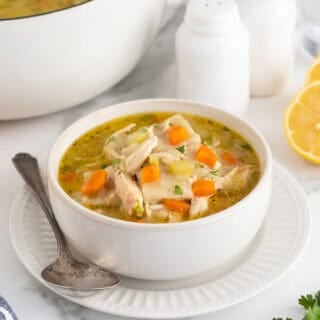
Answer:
[(236, 179), (138, 156), (114, 144), (198, 205), (148, 168), (129, 193)]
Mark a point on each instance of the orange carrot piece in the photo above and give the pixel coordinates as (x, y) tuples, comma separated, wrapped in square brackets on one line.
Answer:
[(229, 157), (203, 188), (177, 135), (150, 173), (96, 181), (68, 176), (206, 156), (179, 206)]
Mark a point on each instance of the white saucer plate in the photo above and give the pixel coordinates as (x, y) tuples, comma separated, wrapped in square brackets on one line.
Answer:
[(277, 246)]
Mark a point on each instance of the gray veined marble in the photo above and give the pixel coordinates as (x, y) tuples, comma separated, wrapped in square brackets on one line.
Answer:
[(153, 77)]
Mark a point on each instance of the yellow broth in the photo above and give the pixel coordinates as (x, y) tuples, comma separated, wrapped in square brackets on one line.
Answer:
[(86, 153), (23, 8)]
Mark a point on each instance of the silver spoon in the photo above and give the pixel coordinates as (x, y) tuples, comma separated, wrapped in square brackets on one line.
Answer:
[(65, 273)]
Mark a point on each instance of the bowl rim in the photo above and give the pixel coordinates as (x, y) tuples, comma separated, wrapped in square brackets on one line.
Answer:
[(46, 12), (91, 214)]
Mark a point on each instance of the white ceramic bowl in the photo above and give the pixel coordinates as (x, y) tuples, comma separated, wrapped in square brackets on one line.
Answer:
[(161, 251), (57, 60)]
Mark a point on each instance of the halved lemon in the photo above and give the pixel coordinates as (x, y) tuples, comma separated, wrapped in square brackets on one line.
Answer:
[(314, 72), (302, 122)]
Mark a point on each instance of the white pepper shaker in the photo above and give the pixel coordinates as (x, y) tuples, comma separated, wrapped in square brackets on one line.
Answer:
[(271, 25), (212, 51)]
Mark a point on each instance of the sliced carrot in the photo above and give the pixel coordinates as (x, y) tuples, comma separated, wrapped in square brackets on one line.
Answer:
[(179, 206), (177, 135), (229, 157), (203, 188), (150, 173), (96, 181), (68, 176), (206, 156)]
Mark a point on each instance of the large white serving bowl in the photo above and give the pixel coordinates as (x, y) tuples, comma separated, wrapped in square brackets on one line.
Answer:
[(160, 251), (57, 60)]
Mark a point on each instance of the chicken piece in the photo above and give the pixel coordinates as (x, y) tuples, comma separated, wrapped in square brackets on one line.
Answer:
[(129, 149), (157, 211), (235, 180), (135, 160), (129, 193), (198, 206), (175, 217), (224, 181), (167, 154), (115, 143)]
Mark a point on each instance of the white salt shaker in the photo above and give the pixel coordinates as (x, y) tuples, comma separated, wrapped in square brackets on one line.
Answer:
[(271, 25), (212, 51)]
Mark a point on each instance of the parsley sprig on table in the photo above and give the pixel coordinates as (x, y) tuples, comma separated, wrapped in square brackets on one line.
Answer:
[(311, 304)]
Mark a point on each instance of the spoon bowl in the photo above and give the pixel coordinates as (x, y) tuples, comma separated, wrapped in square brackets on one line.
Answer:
[(66, 273)]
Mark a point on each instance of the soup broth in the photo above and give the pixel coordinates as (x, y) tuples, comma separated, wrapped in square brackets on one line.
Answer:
[(167, 168), (23, 8)]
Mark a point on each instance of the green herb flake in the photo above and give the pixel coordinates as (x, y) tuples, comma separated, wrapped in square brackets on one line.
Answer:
[(144, 130), (112, 139), (138, 208), (177, 190), (182, 149), (246, 147), (116, 163), (214, 172), (199, 165)]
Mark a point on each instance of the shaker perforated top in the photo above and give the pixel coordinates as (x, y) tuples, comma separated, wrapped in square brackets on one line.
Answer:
[(212, 15)]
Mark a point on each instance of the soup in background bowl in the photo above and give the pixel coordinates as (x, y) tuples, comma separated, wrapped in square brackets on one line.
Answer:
[(22, 8), (160, 251), (159, 167)]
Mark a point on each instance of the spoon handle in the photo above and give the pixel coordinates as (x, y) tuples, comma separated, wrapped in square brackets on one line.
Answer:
[(28, 168)]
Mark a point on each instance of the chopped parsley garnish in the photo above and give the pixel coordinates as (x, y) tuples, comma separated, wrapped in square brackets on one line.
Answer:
[(116, 163), (199, 165), (215, 172), (182, 149), (112, 139), (177, 190), (246, 147), (144, 130)]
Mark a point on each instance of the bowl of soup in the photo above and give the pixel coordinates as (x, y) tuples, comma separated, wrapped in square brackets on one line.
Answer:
[(160, 189), (59, 53)]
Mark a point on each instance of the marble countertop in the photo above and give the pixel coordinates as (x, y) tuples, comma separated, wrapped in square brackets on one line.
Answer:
[(153, 77)]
